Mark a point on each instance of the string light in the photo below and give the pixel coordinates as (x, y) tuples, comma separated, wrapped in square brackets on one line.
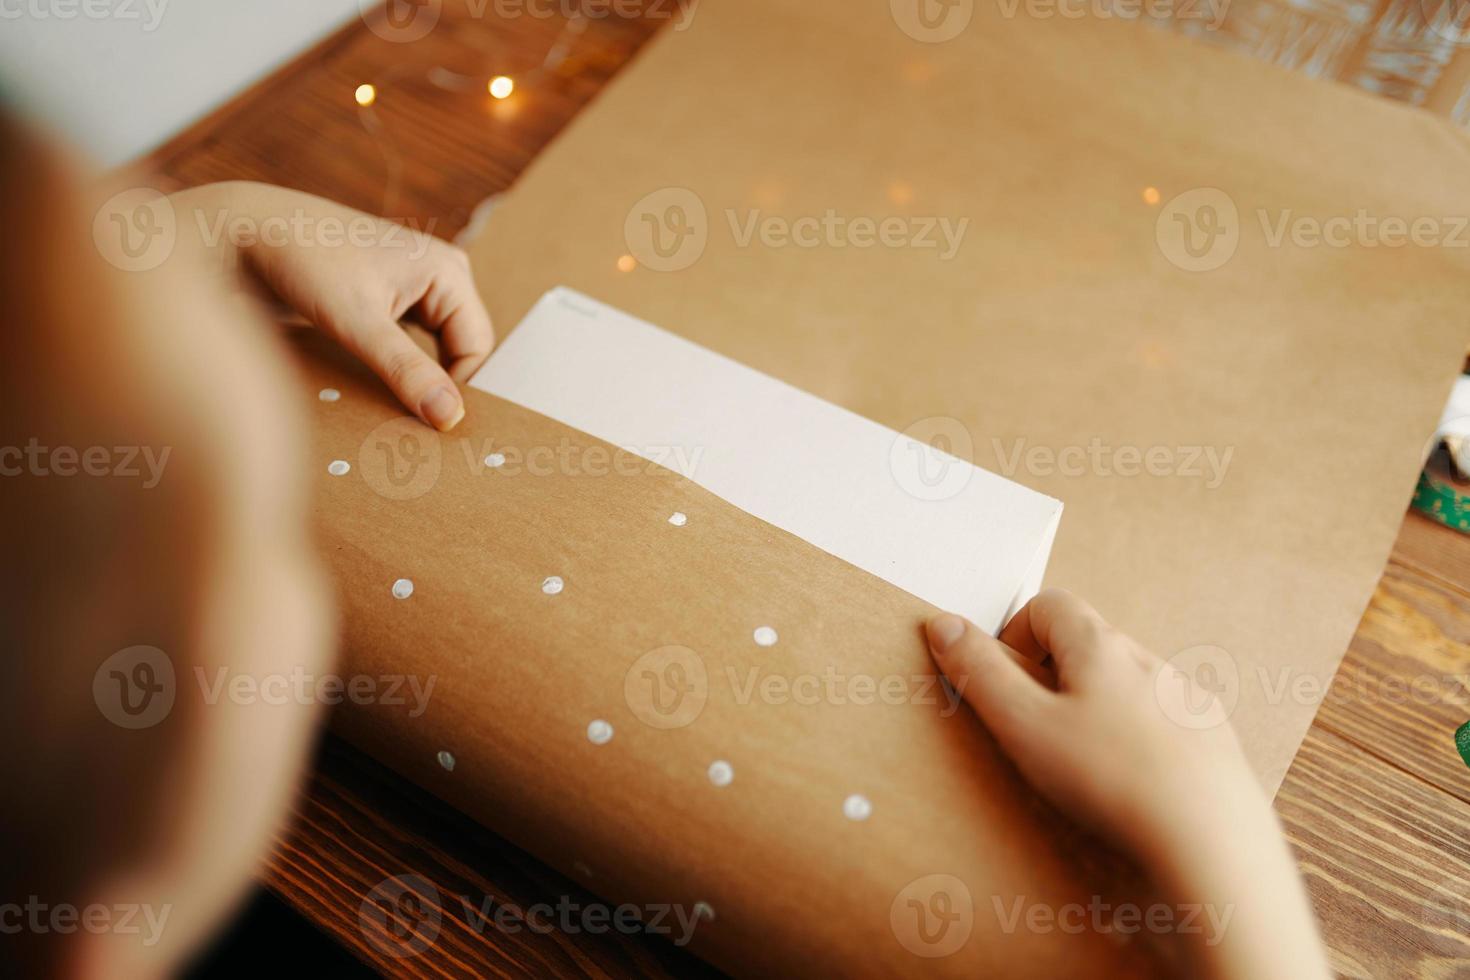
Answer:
[(1150, 195), (626, 263), (500, 88)]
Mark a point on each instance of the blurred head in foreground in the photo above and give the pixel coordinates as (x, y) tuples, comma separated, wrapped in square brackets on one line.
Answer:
[(152, 497)]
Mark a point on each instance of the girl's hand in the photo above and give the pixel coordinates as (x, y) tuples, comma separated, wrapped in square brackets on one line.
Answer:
[(354, 276), (1102, 743)]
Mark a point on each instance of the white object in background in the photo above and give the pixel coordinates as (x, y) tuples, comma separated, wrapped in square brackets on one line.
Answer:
[(1454, 426), (1456, 418), (845, 484), (119, 77)]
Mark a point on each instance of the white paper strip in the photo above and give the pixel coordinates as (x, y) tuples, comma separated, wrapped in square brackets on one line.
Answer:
[(948, 532)]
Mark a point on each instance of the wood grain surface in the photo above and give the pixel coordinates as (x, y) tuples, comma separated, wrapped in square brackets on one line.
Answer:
[(1377, 804)]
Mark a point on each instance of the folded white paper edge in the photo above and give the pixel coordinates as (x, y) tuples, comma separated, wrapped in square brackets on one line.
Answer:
[(936, 526)]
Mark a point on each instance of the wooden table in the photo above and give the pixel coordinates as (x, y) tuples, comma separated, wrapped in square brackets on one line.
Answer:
[(1377, 803)]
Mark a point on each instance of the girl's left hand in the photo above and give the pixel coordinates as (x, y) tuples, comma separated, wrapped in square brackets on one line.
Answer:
[(354, 276)]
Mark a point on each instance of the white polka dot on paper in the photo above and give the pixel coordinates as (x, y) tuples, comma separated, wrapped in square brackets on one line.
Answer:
[(678, 518), (765, 636), (329, 394), (402, 589), (857, 807), (339, 467), (446, 760), (495, 460), (721, 773), (705, 911), (599, 732), (553, 585)]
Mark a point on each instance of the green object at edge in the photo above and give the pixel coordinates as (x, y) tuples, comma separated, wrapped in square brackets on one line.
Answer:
[(1462, 742), (1442, 502)]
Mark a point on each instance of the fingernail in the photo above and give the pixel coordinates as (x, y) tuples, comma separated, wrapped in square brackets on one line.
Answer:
[(443, 408), (945, 631)]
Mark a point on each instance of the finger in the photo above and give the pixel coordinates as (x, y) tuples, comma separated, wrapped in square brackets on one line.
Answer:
[(1068, 628), (993, 680), (1017, 634), (420, 383), (452, 307)]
